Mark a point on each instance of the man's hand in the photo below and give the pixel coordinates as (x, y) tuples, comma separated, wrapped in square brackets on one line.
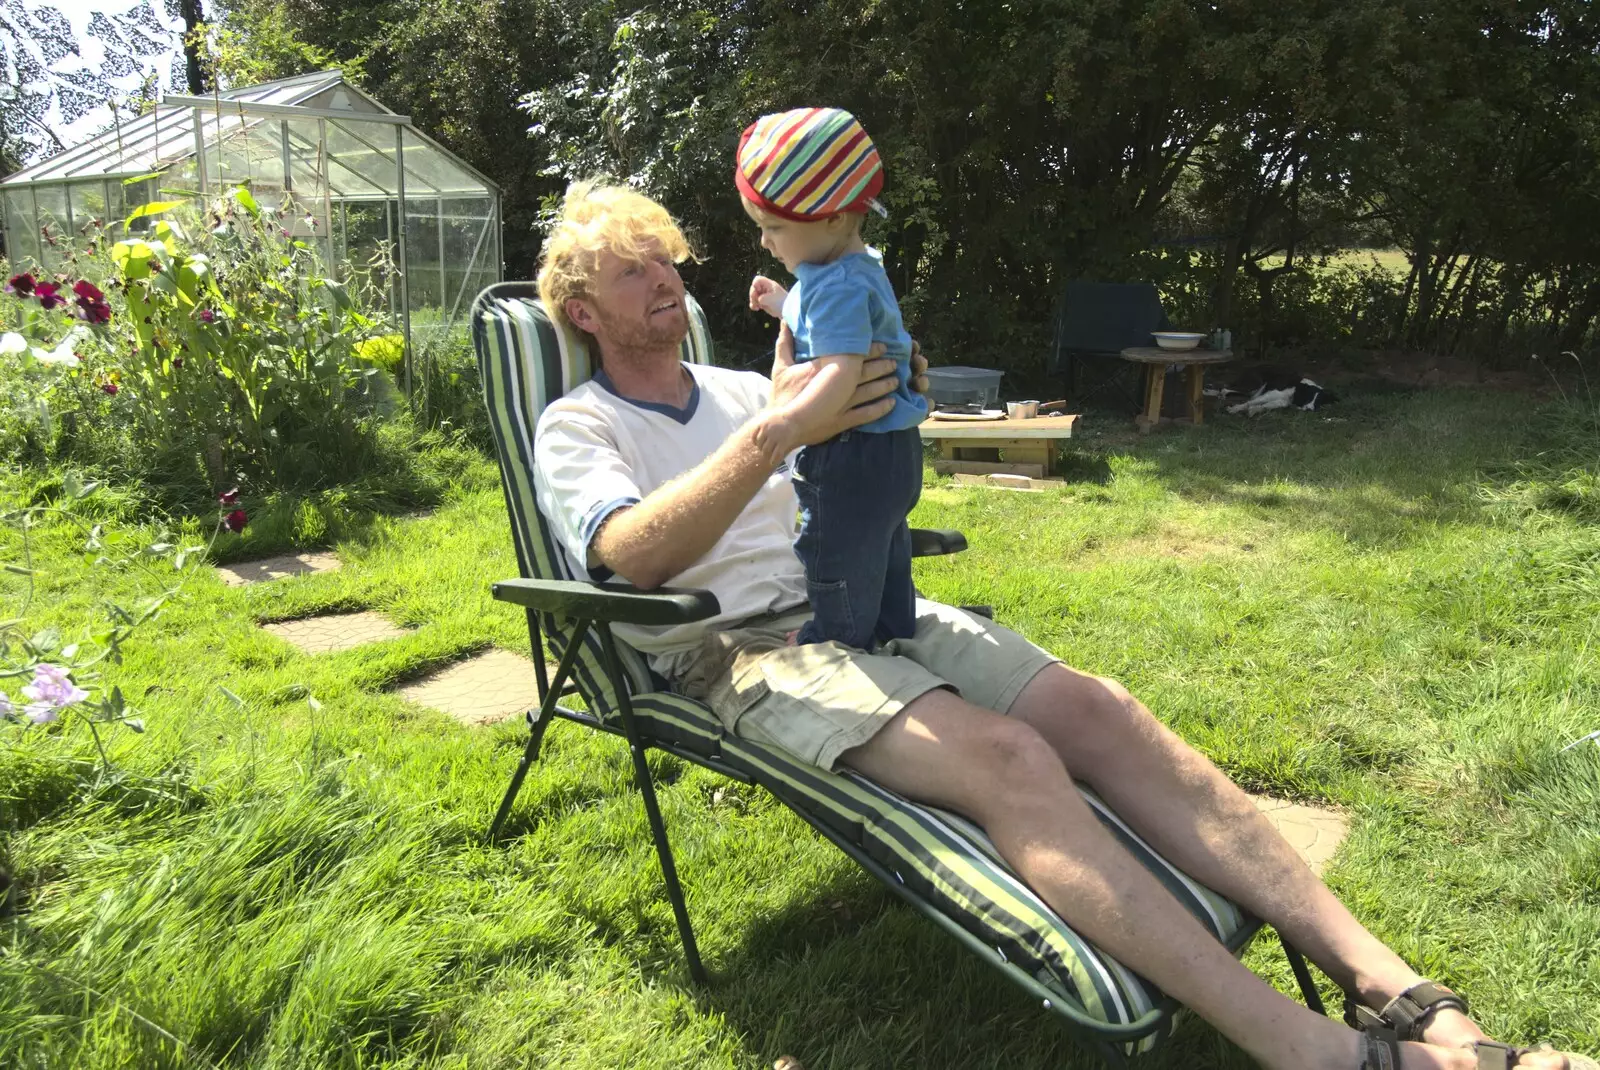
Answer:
[(919, 364), (797, 418), (767, 296)]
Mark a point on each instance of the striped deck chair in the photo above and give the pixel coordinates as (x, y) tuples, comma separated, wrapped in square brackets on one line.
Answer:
[(938, 862)]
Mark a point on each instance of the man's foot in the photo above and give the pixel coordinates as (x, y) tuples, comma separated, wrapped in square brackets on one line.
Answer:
[(1415, 1056)]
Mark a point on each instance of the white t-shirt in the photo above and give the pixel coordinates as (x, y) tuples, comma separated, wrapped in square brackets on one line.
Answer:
[(595, 452)]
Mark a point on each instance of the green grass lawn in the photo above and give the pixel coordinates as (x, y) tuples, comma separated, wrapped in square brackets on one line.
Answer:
[(1369, 608)]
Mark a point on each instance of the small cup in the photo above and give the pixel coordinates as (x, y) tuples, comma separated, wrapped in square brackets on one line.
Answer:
[(1022, 410)]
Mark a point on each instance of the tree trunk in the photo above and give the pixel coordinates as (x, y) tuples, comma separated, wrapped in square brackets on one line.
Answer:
[(192, 18)]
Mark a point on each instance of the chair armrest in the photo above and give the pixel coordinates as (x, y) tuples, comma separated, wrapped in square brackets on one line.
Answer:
[(617, 603), (936, 542)]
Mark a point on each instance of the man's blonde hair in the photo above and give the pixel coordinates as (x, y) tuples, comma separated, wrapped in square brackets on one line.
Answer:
[(597, 217)]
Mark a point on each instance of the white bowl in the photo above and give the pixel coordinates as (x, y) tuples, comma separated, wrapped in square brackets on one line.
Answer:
[(1177, 339)]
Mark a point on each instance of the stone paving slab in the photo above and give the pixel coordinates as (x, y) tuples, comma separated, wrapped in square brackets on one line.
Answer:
[(336, 631), (483, 689), (1315, 833), (241, 573)]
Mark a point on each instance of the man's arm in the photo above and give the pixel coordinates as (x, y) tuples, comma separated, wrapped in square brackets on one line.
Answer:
[(674, 526)]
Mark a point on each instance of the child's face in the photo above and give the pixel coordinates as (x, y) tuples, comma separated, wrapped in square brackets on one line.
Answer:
[(793, 242)]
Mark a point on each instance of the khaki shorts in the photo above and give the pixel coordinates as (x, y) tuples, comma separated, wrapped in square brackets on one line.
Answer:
[(819, 700)]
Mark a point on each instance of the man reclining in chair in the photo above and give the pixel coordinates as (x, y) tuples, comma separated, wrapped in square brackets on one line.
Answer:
[(658, 472)]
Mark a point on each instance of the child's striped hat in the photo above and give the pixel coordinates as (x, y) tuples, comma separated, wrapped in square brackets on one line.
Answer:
[(809, 164)]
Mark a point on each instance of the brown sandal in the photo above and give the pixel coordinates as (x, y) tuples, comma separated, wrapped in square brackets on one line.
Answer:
[(1408, 1013), (1381, 1051)]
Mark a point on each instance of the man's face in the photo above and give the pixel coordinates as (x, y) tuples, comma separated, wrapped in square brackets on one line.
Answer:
[(634, 304)]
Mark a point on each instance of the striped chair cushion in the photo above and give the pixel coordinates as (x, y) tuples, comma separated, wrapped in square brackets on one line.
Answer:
[(526, 360)]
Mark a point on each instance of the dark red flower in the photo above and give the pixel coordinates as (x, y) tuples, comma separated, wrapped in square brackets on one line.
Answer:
[(207, 316), (87, 291), (177, 362), (110, 388), (21, 285), (229, 497), (49, 295), (93, 311), (236, 520)]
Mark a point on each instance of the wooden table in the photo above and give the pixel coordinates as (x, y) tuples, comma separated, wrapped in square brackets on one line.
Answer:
[(973, 446), (1156, 361)]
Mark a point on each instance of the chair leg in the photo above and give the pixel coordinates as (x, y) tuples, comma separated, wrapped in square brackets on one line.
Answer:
[(537, 723), (1302, 974), (658, 830)]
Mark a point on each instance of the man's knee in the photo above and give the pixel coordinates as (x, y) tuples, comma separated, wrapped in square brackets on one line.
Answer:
[(1015, 757)]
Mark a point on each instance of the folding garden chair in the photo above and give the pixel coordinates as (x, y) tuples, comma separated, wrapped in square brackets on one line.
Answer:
[(1094, 323), (940, 863)]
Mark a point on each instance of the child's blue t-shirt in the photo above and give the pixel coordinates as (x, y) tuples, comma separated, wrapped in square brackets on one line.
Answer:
[(845, 306)]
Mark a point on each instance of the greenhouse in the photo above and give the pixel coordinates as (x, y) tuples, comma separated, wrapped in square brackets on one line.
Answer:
[(357, 181)]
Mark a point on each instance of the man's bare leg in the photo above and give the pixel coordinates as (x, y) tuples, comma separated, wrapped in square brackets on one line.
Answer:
[(1000, 772), (1203, 823)]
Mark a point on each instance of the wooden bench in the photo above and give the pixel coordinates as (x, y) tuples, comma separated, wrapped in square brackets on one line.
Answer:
[(975, 447)]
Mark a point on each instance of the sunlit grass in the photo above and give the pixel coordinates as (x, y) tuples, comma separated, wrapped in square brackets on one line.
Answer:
[(1360, 608)]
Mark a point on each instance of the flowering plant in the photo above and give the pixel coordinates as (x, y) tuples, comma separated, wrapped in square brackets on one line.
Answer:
[(42, 349), (209, 341), (65, 682)]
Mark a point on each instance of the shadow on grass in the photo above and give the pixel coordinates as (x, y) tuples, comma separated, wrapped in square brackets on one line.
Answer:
[(848, 974)]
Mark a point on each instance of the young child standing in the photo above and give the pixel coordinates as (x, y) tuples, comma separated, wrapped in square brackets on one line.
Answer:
[(807, 178)]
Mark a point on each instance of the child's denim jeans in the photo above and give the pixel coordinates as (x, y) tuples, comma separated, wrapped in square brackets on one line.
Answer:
[(855, 491)]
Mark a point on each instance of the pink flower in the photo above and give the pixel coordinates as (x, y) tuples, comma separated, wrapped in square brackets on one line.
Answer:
[(49, 295), (236, 520), (21, 285), (53, 688)]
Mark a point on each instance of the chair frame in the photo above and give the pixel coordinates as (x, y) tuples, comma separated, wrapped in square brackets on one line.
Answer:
[(599, 606)]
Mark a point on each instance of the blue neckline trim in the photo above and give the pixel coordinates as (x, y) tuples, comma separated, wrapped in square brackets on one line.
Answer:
[(683, 415)]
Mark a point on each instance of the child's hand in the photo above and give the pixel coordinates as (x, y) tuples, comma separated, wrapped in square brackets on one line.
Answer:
[(767, 296)]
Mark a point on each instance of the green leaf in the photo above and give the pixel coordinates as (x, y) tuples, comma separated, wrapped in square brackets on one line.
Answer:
[(247, 202), (231, 697), (47, 641), (153, 208), (311, 700), (159, 548), (20, 571), (135, 723), (69, 652), (116, 701)]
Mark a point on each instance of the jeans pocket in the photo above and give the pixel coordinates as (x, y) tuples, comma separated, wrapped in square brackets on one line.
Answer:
[(831, 615)]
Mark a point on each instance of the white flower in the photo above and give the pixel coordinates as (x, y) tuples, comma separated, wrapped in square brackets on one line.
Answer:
[(12, 343), (63, 354)]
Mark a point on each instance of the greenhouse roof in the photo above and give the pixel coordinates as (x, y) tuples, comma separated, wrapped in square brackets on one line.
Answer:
[(307, 111)]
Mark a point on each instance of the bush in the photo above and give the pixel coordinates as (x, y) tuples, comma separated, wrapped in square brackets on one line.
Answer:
[(218, 351)]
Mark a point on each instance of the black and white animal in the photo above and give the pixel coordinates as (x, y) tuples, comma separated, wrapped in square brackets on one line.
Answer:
[(1262, 389)]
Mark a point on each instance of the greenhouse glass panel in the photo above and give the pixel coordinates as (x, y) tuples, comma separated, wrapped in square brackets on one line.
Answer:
[(87, 203), (363, 156), (22, 236)]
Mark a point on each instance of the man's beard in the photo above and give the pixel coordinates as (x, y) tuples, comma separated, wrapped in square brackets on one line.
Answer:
[(628, 337)]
